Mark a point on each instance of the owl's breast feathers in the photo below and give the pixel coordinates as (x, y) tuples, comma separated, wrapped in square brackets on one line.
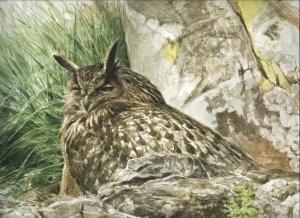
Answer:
[(105, 139)]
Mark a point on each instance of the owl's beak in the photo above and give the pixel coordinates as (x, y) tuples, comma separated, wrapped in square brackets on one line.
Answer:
[(86, 102)]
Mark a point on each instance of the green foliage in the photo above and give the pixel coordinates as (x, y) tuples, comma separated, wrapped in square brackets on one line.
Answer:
[(32, 83), (242, 205)]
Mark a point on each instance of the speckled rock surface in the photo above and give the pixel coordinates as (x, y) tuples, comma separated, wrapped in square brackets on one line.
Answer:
[(232, 66), (277, 201), (153, 187)]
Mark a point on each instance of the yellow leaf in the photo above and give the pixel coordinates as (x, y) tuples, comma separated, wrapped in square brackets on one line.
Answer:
[(170, 51), (269, 71), (265, 84), (281, 78), (275, 74), (249, 9)]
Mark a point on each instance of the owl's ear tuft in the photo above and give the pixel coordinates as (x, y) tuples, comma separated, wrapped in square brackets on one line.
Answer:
[(110, 64), (64, 62)]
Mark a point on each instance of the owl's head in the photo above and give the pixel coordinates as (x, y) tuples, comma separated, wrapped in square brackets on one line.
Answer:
[(95, 85)]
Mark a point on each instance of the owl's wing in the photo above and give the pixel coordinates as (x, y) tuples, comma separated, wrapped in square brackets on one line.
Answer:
[(163, 129), (97, 153)]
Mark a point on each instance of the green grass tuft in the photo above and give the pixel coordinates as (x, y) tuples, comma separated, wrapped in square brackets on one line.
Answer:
[(32, 83), (242, 205)]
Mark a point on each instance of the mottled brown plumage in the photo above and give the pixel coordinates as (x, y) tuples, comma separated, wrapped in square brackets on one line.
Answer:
[(113, 114)]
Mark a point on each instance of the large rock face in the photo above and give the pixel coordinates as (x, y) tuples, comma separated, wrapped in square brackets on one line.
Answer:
[(232, 65)]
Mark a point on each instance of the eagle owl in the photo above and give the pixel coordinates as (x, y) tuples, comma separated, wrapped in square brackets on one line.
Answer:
[(113, 114)]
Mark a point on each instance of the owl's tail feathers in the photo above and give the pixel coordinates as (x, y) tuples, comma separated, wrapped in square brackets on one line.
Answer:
[(68, 185), (263, 175)]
